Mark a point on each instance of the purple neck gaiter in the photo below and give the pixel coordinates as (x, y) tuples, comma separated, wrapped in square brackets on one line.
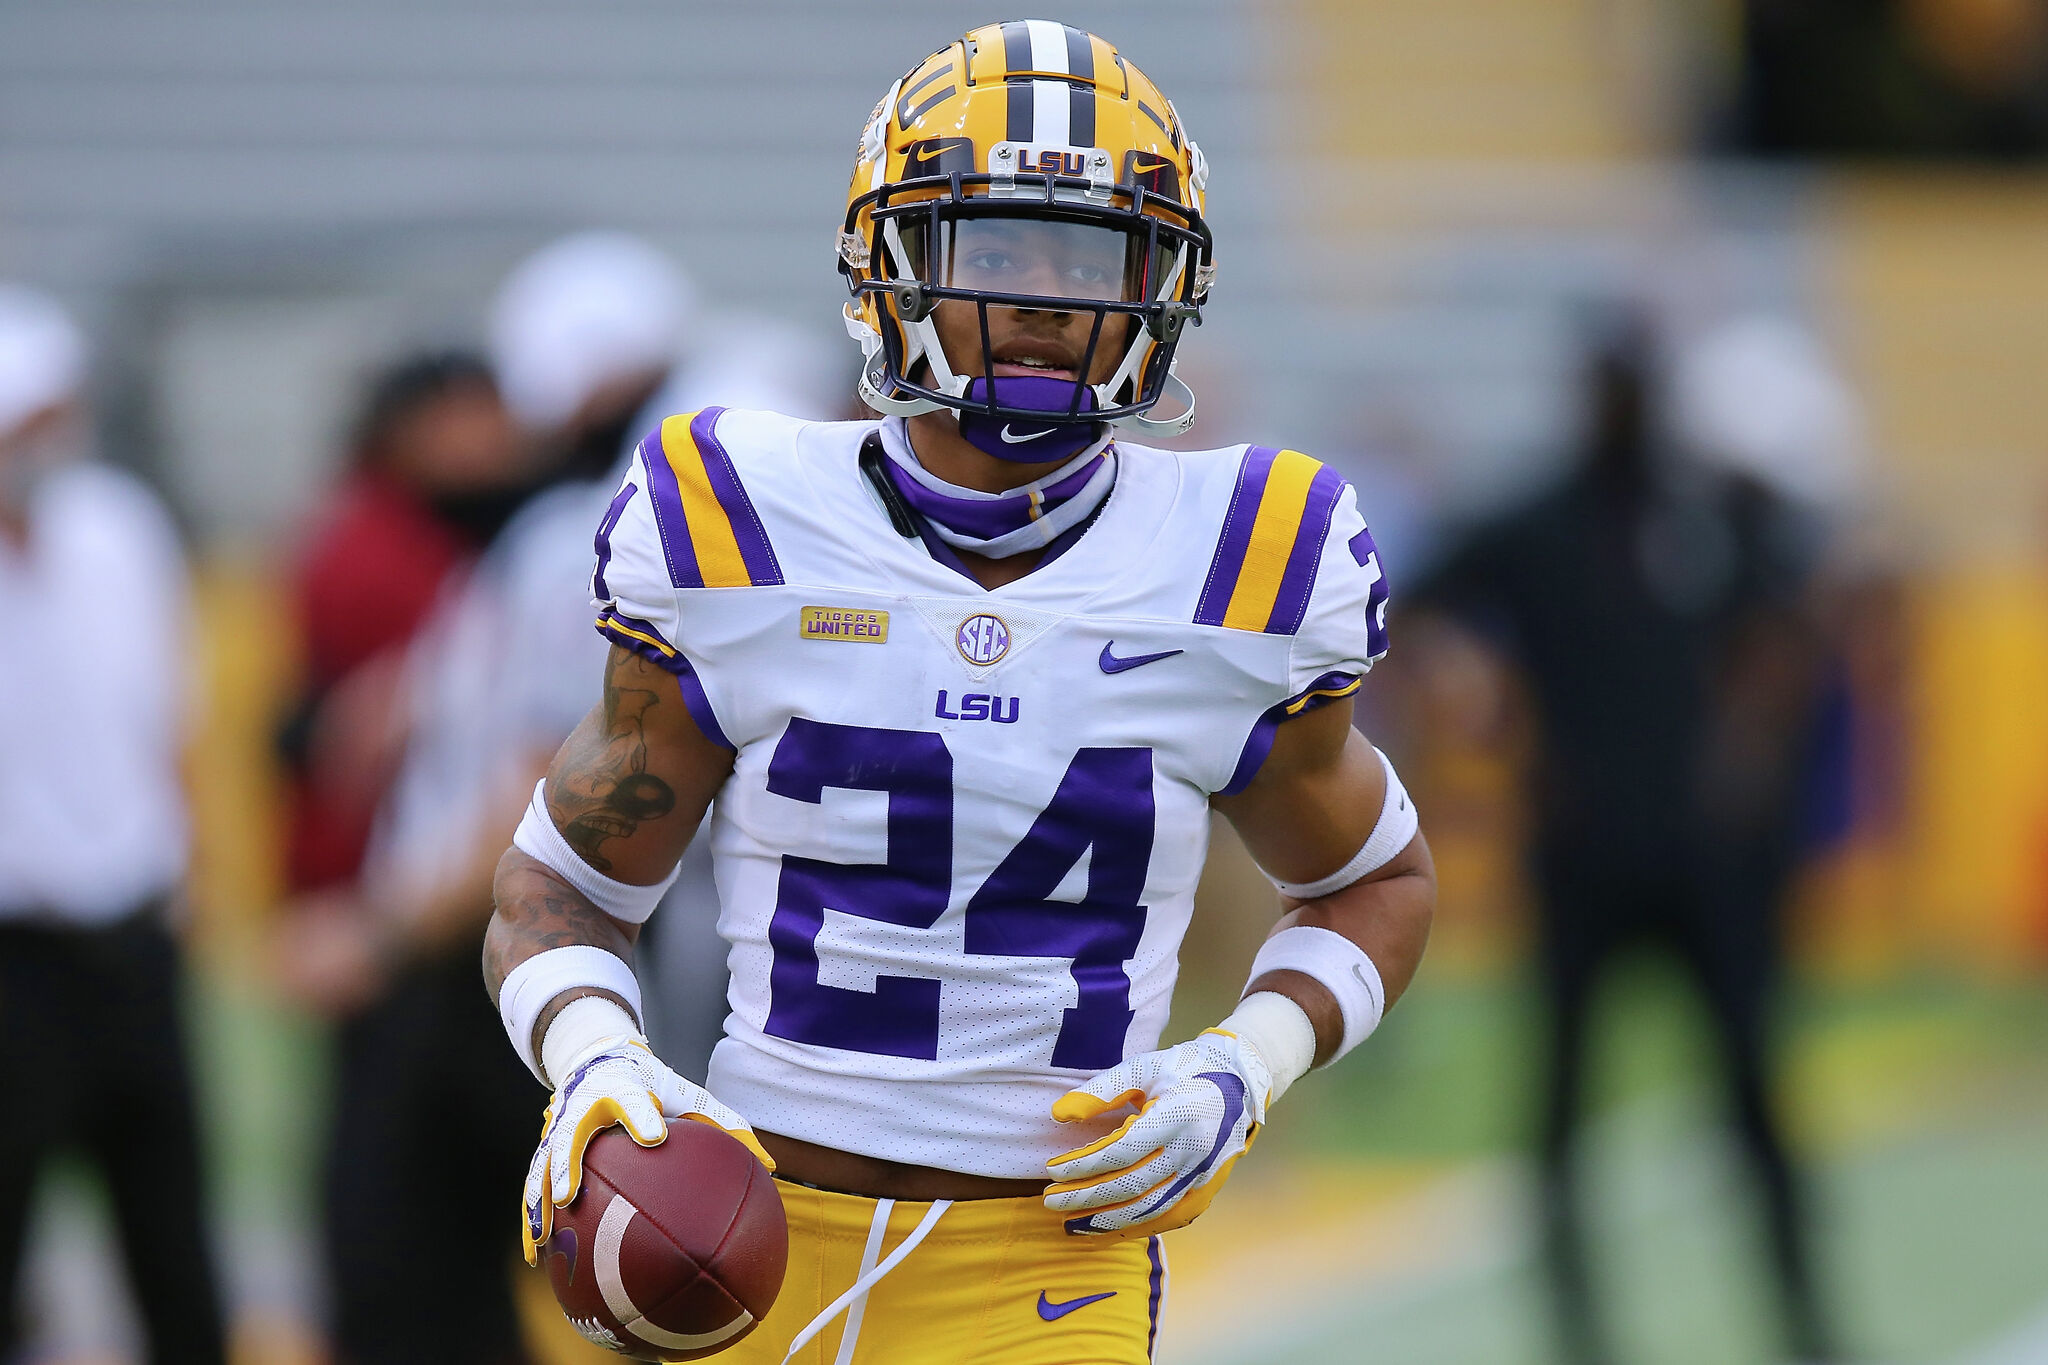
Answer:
[(1028, 442), (997, 525)]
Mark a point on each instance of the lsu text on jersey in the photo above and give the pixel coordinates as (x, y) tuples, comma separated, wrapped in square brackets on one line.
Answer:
[(957, 854)]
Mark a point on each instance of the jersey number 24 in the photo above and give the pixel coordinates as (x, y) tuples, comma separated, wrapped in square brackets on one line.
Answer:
[(1104, 803)]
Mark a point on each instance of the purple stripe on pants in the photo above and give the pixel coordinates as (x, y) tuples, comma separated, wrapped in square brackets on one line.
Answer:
[(1158, 1297), (1237, 536)]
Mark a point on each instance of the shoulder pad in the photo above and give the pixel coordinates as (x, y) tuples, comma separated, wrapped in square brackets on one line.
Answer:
[(1271, 545), (711, 536)]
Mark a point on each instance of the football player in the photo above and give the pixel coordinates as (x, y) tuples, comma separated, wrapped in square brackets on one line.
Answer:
[(961, 689)]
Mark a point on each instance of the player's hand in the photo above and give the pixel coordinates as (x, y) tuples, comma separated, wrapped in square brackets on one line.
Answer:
[(617, 1081), (1199, 1108)]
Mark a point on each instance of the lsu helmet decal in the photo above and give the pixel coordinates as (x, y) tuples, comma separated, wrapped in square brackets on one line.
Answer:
[(1026, 140)]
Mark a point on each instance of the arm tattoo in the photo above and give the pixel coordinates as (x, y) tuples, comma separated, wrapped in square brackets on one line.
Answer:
[(538, 911), (602, 789)]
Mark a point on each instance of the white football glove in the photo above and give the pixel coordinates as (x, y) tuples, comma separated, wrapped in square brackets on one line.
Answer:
[(616, 1080), (1200, 1107)]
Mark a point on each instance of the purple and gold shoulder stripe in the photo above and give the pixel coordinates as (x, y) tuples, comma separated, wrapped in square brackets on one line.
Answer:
[(1272, 543), (711, 536)]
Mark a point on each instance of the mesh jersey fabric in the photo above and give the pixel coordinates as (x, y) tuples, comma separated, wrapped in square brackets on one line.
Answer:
[(958, 851)]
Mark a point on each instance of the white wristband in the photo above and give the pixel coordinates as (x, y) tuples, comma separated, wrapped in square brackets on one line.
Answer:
[(534, 984), (583, 1027), (1282, 1033), (538, 838), (1397, 825), (1340, 965)]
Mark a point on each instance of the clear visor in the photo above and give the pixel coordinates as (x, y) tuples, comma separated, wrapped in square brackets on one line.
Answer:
[(1039, 257)]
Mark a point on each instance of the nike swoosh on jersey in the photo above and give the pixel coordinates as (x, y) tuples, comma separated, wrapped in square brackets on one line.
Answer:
[(1111, 664), (1053, 1312), (1020, 440)]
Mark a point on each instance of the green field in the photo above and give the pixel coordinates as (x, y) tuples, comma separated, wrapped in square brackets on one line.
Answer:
[(1921, 1112), (1386, 1213)]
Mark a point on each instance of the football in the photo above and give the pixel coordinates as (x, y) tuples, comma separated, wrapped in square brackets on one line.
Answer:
[(672, 1252)]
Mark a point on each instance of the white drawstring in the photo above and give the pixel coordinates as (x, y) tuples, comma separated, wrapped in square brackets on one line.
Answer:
[(870, 1274), (878, 1227)]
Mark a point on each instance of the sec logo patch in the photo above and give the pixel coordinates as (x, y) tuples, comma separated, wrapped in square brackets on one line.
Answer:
[(983, 639)]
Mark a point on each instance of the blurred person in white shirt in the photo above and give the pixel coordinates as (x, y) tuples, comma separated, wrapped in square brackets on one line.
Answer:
[(93, 838), (597, 337), (592, 339)]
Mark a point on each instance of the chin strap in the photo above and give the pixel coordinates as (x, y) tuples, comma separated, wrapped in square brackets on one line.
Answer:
[(889, 406), (1177, 389)]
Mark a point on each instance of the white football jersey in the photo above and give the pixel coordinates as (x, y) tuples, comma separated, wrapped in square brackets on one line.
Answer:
[(958, 851)]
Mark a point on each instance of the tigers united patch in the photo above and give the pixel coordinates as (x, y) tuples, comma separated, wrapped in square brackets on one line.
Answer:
[(848, 625)]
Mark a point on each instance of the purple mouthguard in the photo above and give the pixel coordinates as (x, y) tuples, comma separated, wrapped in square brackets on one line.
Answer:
[(1055, 439)]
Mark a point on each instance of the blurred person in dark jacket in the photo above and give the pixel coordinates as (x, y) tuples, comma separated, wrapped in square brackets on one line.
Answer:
[(1656, 608), (93, 840)]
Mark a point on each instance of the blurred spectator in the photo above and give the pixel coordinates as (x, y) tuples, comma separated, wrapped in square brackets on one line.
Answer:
[(1656, 608), (93, 839), (599, 337), (1756, 397), (436, 1115), (583, 333), (433, 473), (437, 470)]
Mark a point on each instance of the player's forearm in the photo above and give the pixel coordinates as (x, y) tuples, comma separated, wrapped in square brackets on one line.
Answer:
[(1386, 916), (538, 910)]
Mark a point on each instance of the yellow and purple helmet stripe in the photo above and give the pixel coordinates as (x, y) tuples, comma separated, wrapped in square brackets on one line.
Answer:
[(1272, 543), (711, 536)]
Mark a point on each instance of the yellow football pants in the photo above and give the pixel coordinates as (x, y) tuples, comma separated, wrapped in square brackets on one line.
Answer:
[(994, 1282)]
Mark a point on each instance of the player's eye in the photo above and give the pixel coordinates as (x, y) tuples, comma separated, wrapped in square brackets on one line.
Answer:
[(989, 261)]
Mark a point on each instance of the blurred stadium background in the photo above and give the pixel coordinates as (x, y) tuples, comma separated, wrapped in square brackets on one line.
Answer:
[(1418, 204)]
